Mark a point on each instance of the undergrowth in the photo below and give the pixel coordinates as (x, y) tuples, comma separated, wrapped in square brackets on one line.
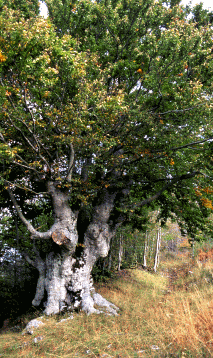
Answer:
[(169, 314)]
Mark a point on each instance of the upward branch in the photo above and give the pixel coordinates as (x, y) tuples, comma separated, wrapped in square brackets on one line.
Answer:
[(32, 230), (166, 186), (71, 162)]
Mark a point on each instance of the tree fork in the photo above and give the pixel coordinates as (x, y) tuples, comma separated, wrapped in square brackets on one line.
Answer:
[(65, 274)]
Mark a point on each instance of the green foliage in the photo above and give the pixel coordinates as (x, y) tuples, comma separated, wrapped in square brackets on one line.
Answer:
[(128, 86), (201, 17), (132, 242), (26, 8), (18, 283)]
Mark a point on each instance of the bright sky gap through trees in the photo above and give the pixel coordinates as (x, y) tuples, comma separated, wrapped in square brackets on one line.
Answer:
[(207, 4)]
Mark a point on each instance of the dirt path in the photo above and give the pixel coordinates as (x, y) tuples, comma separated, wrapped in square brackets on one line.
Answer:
[(178, 277)]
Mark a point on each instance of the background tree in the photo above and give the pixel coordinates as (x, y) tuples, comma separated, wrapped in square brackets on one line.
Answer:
[(106, 109), (27, 8)]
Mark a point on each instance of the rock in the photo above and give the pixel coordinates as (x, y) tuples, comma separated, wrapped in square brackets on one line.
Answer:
[(33, 324), (37, 339), (65, 319), (154, 348)]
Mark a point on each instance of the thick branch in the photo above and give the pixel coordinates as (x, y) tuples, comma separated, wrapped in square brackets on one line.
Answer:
[(29, 260), (189, 145), (36, 251), (99, 232), (25, 166), (158, 194), (70, 165), (32, 230), (85, 169), (184, 146), (22, 187), (179, 110)]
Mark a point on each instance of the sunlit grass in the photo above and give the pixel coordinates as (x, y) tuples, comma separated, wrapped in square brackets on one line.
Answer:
[(151, 323), (187, 319)]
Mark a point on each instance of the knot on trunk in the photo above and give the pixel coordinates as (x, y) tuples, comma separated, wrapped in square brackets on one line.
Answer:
[(99, 238), (60, 238), (93, 231)]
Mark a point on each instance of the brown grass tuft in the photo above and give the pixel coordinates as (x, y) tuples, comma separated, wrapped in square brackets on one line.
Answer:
[(153, 322)]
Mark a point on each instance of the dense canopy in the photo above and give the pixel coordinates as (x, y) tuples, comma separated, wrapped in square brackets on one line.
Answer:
[(107, 111)]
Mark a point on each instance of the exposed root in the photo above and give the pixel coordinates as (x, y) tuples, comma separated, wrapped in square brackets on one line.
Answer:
[(104, 306)]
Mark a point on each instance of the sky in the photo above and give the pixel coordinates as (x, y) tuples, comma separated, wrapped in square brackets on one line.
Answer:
[(43, 10), (207, 4)]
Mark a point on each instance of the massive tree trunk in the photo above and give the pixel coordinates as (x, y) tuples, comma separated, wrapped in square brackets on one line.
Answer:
[(65, 274)]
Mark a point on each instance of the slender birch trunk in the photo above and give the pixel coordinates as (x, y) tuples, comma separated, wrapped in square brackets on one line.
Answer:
[(120, 253), (145, 250), (157, 252)]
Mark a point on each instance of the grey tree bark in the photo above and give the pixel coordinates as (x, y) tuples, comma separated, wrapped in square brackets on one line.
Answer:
[(65, 273)]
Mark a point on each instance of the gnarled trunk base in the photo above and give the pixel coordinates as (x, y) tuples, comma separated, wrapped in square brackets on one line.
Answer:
[(65, 275), (68, 285)]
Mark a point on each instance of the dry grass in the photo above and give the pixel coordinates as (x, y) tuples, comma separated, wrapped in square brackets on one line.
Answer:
[(152, 322), (188, 320)]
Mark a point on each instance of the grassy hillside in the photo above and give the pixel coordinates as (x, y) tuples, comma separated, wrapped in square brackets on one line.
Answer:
[(168, 314)]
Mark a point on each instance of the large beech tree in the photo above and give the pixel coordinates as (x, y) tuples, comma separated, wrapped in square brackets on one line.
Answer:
[(106, 109)]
